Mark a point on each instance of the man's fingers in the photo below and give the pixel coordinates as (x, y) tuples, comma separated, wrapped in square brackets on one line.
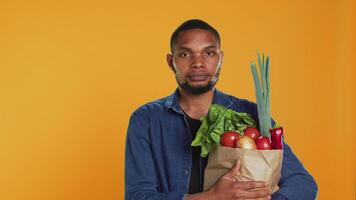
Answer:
[(243, 198), (263, 198), (253, 194), (250, 184)]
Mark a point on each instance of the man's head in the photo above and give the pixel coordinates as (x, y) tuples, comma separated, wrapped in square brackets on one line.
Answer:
[(192, 24), (195, 56)]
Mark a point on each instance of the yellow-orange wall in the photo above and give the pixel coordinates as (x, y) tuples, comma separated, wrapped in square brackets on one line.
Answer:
[(72, 71)]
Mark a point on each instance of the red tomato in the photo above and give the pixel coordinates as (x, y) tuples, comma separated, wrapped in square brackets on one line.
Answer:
[(229, 138), (252, 133), (263, 143)]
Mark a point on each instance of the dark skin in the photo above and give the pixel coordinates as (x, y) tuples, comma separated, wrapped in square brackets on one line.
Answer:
[(196, 60)]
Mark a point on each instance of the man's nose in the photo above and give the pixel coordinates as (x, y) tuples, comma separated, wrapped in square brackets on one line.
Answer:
[(198, 61)]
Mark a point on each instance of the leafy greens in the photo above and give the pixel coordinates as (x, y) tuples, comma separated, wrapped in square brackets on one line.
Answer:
[(217, 122)]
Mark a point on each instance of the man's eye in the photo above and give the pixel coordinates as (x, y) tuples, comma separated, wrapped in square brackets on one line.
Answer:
[(184, 54), (210, 53)]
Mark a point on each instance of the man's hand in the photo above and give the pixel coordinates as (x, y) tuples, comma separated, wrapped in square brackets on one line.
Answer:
[(228, 188)]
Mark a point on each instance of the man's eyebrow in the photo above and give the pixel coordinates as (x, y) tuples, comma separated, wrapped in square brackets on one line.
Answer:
[(185, 48), (210, 47), (189, 49)]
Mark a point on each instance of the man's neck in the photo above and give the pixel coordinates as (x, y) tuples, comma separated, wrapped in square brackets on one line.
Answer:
[(196, 106)]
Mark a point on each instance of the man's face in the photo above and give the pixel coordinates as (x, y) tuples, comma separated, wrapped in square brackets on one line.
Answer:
[(196, 60)]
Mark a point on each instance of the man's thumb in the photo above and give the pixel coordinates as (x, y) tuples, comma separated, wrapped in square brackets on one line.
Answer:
[(235, 170)]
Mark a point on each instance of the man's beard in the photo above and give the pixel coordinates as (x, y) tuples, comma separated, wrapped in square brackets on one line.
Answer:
[(199, 89)]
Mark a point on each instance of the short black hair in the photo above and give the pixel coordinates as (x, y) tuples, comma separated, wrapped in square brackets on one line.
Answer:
[(193, 24)]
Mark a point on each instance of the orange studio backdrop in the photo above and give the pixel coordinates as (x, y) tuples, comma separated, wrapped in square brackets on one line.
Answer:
[(72, 72)]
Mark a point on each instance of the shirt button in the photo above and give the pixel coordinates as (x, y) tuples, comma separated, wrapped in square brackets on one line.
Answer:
[(186, 171)]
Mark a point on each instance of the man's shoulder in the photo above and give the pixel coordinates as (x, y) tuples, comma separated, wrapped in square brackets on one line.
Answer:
[(239, 100), (241, 103), (151, 106)]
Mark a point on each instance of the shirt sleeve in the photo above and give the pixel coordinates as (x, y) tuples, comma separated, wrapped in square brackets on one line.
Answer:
[(140, 176), (296, 182)]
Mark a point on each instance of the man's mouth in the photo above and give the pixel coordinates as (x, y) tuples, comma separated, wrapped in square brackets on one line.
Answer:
[(198, 77)]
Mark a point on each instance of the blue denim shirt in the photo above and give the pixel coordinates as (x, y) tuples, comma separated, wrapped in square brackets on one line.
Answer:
[(158, 153)]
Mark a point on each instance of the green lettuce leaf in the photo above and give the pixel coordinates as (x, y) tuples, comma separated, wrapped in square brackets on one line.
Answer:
[(217, 122)]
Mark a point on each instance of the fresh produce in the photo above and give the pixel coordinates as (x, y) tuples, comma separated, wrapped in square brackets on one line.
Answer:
[(229, 139), (218, 121), (262, 91), (252, 132), (245, 142), (263, 143), (276, 137)]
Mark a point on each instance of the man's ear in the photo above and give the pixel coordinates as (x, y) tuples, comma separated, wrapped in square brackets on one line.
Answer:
[(221, 57), (170, 62)]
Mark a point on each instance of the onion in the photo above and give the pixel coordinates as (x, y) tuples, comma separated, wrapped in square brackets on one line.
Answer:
[(245, 142)]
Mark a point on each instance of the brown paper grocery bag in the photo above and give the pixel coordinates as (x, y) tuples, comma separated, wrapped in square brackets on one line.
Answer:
[(256, 165)]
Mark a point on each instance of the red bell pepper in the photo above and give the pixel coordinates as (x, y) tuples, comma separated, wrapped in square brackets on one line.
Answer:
[(276, 137)]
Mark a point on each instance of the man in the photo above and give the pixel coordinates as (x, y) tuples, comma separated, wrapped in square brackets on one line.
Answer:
[(160, 161)]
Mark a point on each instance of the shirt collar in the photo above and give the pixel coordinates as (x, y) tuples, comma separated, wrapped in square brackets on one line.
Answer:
[(219, 98)]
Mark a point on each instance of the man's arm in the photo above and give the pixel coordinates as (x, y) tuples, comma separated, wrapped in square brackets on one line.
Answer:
[(228, 188), (140, 175), (296, 182)]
